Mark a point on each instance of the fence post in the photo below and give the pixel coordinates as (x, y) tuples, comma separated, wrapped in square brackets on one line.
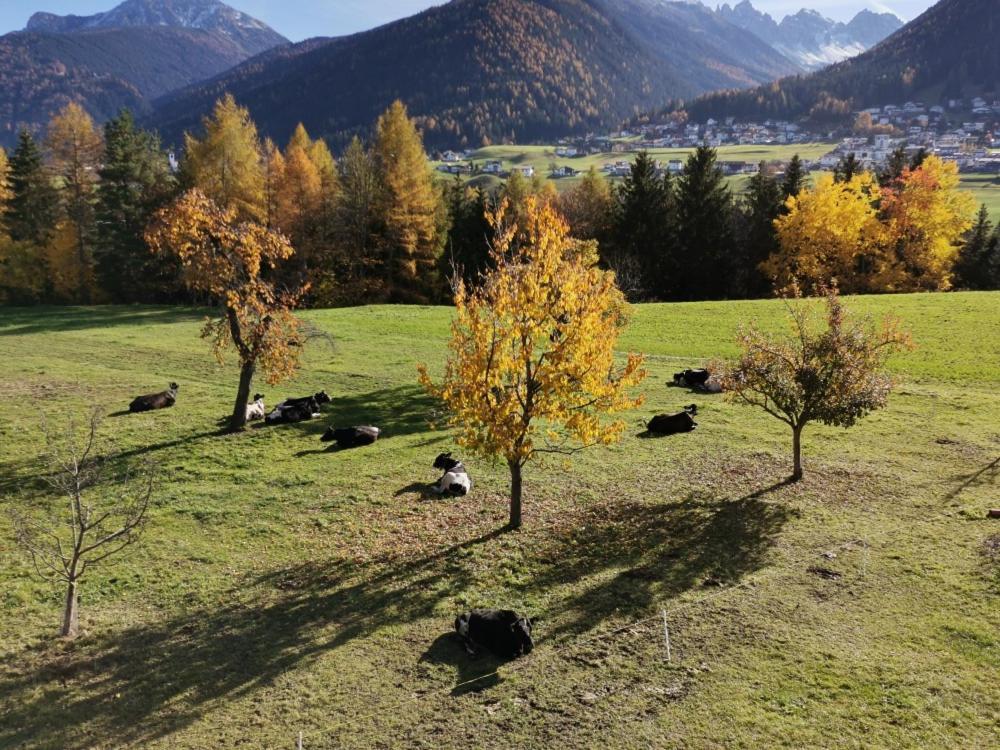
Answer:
[(666, 633), (299, 747)]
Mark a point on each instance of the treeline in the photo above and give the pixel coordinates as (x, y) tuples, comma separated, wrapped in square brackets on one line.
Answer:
[(377, 226)]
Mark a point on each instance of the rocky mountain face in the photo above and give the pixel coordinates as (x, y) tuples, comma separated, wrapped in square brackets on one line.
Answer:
[(810, 39)]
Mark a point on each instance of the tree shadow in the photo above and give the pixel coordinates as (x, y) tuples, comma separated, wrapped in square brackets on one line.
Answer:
[(657, 552), (473, 674), (24, 321), (987, 475), (424, 489)]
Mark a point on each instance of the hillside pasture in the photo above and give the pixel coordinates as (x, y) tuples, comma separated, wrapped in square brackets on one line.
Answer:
[(285, 588)]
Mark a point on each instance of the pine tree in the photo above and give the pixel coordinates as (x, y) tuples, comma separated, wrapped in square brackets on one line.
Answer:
[(979, 260), (32, 209), (467, 250), (226, 164), (762, 204), (588, 207), (795, 178), (893, 168), (135, 181), (75, 149), (360, 273), (704, 229), (847, 168), (410, 209), (643, 230)]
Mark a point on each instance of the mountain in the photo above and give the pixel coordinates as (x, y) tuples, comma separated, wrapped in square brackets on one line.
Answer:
[(949, 51), (126, 57), (810, 39), (477, 71)]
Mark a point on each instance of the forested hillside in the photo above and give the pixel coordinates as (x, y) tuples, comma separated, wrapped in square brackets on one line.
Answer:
[(475, 71), (949, 51)]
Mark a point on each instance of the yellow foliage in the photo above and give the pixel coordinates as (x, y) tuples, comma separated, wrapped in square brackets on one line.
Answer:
[(829, 232), (532, 366), (926, 216), (4, 184), (226, 165)]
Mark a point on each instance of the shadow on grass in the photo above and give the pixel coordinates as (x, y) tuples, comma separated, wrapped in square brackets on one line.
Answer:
[(24, 321), (135, 685), (448, 650), (987, 475)]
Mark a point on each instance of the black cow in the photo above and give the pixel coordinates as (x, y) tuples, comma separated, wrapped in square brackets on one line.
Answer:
[(691, 378), (501, 631), (351, 437), (671, 424), (297, 409), (163, 400)]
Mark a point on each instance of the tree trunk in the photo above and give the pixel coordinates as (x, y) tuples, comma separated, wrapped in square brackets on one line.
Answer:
[(515, 494), (70, 612), (239, 419), (797, 453)]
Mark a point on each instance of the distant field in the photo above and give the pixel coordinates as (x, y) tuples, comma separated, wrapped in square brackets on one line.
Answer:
[(284, 589), (985, 188)]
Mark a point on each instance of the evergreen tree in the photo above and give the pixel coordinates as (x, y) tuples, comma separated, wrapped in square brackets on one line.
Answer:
[(978, 265), (847, 168), (359, 269), (410, 210), (32, 209), (468, 247), (135, 182), (642, 230), (588, 207), (795, 178), (762, 204), (226, 164), (703, 250), (893, 168), (74, 147)]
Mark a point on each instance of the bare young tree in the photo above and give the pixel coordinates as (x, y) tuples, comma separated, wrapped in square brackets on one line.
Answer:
[(66, 543)]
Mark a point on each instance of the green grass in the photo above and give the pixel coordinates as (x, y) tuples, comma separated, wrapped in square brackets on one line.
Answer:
[(985, 188), (282, 588)]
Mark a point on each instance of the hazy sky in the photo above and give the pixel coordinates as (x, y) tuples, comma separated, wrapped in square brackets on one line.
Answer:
[(299, 19)]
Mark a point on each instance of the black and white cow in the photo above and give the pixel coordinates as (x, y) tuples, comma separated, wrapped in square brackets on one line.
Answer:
[(256, 409), (351, 437), (671, 424), (456, 478), (501, 631), (691, 378), (298, 409), (163, 400)]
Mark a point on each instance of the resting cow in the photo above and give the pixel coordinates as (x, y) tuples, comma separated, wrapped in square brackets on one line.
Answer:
[(163, 400), (691, 378), (351, 437), (671, 424), (455, 480), (298, 409), (255, 409), (501, 631)]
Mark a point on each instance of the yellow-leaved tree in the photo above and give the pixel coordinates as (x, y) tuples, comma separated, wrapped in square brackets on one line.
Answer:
[(927, 216), (829, 232), (226, 164), (226, 258), (532, 367)]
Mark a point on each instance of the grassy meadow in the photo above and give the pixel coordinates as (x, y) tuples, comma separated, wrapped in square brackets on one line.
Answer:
[(282, 588)]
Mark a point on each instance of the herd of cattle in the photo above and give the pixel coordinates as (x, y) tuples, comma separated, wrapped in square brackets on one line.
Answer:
[(503, 632)]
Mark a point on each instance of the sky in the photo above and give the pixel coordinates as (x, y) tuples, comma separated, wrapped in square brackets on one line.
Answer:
[(300, 19)]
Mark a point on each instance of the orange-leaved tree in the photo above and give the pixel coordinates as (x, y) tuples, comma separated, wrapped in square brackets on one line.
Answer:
[(832, 373), (227, 259), (532, 367)]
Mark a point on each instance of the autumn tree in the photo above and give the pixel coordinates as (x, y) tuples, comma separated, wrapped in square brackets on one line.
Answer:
[(75, 150), (227, 258), (226, 164), (532, 367), (831, 231), (358, 223), (832, 373), (588, 208), (135, 182), (926, 217), (410, 209), (85, 532)]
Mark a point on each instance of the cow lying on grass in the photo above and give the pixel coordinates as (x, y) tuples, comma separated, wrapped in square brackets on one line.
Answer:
[(698, 380), (163, 400), (671, 424), (455, 480), (501, 631), (298, 409), (255, 409), (351, 437)]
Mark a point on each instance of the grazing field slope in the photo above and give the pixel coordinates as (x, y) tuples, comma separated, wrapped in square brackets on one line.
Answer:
[(284, 589)]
